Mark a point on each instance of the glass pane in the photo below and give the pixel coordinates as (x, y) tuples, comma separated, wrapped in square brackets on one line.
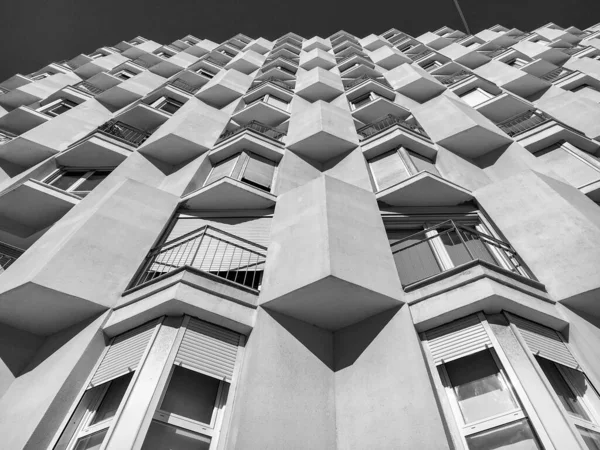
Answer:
[(388, 170), (454, 246), (478, 247), (167, 437), (591, 438), (91, 442), (414, 257), (191, 394), (67, 179), (112, 399), (93, 180), (170, 106), (475, 97), (513, 436), (480, 388)]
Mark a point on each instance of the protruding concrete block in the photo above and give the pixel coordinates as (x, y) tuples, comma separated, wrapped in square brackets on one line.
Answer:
[(581, 113), (373, 42), (317, 58), (320, 267), (316, 42), (414, 82), (181, 139), (459, 128), (321, 131), (389, 57), (224, 88), (246, 62), (319, 84)]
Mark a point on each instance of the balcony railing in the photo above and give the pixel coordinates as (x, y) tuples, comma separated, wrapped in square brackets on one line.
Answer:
[(523, 122), (449, 80), (180, 84), (417, 56), (388, 122), (273, 80), (213, 61), (8, 255), (556, 74), (449, 245), (265, 69), (254, 125), (124, 132), (88, 88), (493, 53), (350, 84), (211, 251)]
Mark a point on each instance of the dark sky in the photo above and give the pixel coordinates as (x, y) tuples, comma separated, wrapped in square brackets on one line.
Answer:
[(34, 33)]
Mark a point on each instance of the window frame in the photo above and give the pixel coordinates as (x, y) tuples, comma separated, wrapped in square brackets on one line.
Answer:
[(124, 72), (478, 90), (164, 100), (49, 108), (42, 76), (86, 173), (241, 168), (265, 99)]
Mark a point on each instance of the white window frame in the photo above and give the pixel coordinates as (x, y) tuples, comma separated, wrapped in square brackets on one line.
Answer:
[(164, 54), (164, 100), (431, 65), (372, 96), (41, 76), (516, 62), (58, 173), (49, 108), (242, 170), (407, 162), (480, 91), (266, 99), (126, 73), (97, 55)]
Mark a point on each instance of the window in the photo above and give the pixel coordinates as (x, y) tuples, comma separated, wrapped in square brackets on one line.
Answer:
[(97, 55), (77, 181), (476, 96), (248, 167), (167, 104), (483, 400), (189, 42), (363, 100), (57, 107), (422, 250), (578, 397), (516, 62), (41, 76), (124, 74), (397, 165), (164, 54), (204, 72), (570, 163), (271, 100), (432, 65)]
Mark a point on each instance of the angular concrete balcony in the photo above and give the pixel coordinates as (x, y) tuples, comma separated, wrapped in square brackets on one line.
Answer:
[(246, 62), (424, 189), (179, 139), (414, 82), (229, 194), (434, 41), (33, 206), (130, 90), (317, 58), (174, 64), (319, 84), (255, 137), (328, 285), (574, 111), (97, 150), (103, 64), (389, 57), (316, 42), (321, 131), (22, 119), (512, 79), (371, 106), (468, 57), (201, 48), (27, 94), (537, 51), (459, 128), (373, 42), (224, 88), (268, 109), (260, 46)]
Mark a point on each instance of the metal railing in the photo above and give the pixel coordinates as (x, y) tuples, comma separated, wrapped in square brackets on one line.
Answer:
[(388, 122), (493, 53), (88, 88), (523, 122), (352, 55), (213, 61), (254, 125), (556, 74), (350, 84), (273, 80), (574, 49), (209, 250), (449, 80), (180, 84), (448, 245), (417, 56), (8, 255), (124, 132)]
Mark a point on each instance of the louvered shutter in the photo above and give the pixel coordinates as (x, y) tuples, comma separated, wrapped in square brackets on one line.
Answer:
[(544, 342), (253, 229), (388, 170), (457, 339), (124, 354), (222, 169), (259, 171), (209, 349)]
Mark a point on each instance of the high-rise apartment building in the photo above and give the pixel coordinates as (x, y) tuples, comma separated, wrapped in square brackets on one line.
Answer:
[(314, 243)]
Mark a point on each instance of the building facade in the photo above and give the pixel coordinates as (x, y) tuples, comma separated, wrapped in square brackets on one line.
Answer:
[(384, 242)]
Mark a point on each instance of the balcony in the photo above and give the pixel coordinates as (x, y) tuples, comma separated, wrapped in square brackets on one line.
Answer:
[(5, 137), (417, 56), (556, 74), (363, 79), (523, 122), (208, 250), (88, 88), (8, 255), (125, 133), (182, 85), (448, 248), (256, 126), (389, 121), (449, 80), (370, 106), (273, 80), (573, 50)]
